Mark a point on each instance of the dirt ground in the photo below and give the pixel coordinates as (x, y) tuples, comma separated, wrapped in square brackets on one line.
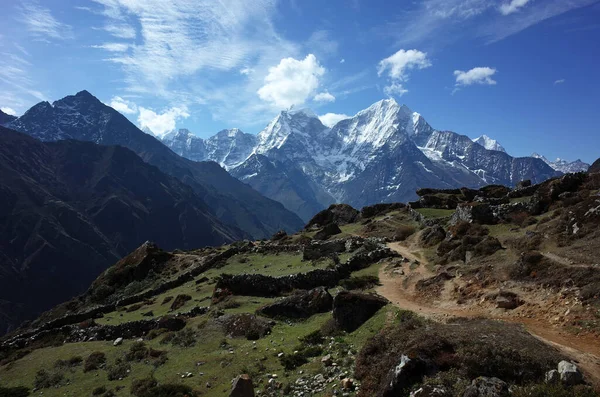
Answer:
[(538, 315)]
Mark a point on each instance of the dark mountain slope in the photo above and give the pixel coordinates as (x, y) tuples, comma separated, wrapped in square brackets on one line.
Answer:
[(6, 118), (69, 209), (83, 117)]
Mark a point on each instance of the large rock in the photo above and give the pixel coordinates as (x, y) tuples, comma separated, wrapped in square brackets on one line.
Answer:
[(327, 231), (473, 213), (318, 249), (487, 387), (340, 214), (352, 309), (404, 375), (569, 373), (302, 304), (433, 235), (242, 387)]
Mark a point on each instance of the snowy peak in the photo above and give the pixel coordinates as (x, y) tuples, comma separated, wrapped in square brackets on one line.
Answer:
[(489, 143), (297, 125), (564, 166)]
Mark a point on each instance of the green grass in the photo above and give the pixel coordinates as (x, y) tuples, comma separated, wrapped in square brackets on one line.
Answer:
[(520, 199), (431, 213)]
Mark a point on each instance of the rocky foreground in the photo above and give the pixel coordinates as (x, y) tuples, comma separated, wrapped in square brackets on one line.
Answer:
[(435, 298)]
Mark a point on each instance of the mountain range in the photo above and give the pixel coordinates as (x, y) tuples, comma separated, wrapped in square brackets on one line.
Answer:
[(382, 154)]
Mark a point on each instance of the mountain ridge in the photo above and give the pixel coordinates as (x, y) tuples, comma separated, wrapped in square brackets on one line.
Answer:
[(84, 117), (387, 147)]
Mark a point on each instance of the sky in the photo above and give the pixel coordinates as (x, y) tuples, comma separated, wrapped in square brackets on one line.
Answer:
[(524, 72)]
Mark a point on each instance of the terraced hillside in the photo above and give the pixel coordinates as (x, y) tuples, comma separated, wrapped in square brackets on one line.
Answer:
[(463, 293)]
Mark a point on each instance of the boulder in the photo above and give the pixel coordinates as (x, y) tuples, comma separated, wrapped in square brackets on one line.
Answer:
[(404, 375), (473, 213), (279, 235), (302, 304), (347, 384), (327, 360), (340, 214), (320, 249), (507, 300), (381, 208), (118, 341), (487, 387), (569, 373), (352, 309), (244, 325), (552, 377), (430, 391), (327, 231), (433, 235), (524, 184), (242, 387)]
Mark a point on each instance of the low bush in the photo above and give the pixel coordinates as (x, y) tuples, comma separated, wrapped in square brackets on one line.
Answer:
[(19, 391), (149, 387), (94, 361), (545, 390), (45, 379), (69, 363), (184, 338), (403, 232), (119, 370), (179, 301)]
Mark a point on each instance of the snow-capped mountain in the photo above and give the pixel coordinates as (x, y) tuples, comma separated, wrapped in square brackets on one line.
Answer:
[(489, 143), (564, 166), (382, 154), (6, 118)]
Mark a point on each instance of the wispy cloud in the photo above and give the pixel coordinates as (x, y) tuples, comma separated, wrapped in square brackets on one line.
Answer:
[(559, 81), (173, 43), (113, 47), (445, 21), (41, 24), (161, 124), (123, 105), (9, 111), (513, 6), (324, 97)]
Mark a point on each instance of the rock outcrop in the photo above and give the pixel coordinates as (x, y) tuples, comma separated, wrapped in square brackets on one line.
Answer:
[(301, 304), (352, 309)]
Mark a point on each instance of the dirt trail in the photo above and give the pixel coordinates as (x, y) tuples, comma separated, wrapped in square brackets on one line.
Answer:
[(584, 350)]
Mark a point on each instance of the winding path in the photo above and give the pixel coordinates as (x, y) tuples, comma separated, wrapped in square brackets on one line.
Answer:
[(584, 350)]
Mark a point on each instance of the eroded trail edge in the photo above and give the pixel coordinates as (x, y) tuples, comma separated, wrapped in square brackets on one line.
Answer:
[(398, 286)]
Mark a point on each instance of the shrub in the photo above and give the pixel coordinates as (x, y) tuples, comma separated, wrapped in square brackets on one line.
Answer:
[(94, 361), (292, 361), (119, 370), (154, 333), (150, 388), (167, 300), (184, 338), (100, 390), (45, 379), (314, 338), (137, 352), (545, 390), (19, 391), (331, 328), (135, 307), (180, 301), (69, 363), (403, 232)]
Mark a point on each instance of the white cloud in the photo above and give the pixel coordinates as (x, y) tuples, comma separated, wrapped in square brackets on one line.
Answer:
[(512, 6), (324, 97), (41, 24), (395, 89), (291, 82), (247, 71), (397, 67), (122, 105), (163, 123), (113, 47), (342, 60), (480, 75), (8, 110), (331, 119), (559, 81)]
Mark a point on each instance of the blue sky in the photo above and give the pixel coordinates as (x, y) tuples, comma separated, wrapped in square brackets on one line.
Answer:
[(524, 72)]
